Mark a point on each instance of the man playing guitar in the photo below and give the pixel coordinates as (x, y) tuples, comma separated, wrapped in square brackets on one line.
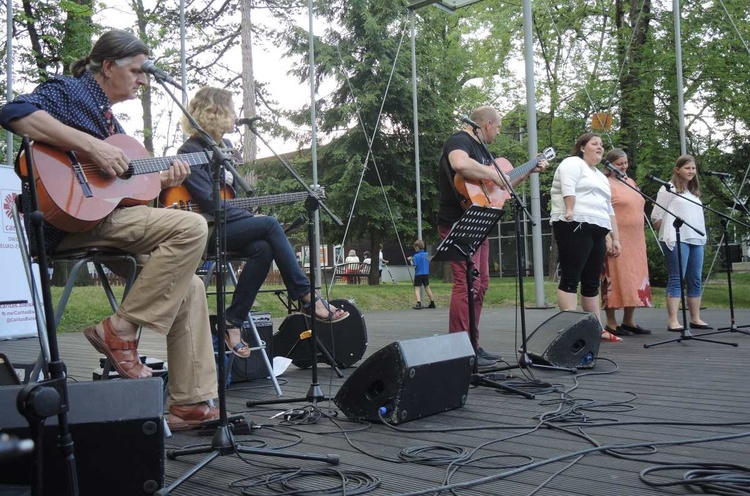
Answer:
[(73, 115), (464, 155)]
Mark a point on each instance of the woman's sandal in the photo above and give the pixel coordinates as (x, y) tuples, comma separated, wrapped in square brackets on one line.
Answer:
[(122, 354), (608, 336), (241, 349), (333, 316)]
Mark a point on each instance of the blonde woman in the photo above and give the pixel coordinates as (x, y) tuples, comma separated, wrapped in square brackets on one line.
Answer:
[(258, 238)]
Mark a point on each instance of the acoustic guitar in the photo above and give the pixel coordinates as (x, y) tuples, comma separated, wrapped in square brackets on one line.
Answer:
[(75, 194), (178, 197), (487, 193)]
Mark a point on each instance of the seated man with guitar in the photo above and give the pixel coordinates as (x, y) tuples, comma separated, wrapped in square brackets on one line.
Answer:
[(466, 177), (258, 238), (93, 185)]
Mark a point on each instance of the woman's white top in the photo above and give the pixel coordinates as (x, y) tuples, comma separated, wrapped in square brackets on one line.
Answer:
[(574, 177), (681, 205)]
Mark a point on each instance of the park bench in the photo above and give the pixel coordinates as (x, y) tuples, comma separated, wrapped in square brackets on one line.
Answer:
[(351, 272)]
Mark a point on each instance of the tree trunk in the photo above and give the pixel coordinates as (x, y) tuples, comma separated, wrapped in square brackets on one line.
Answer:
[(148, 122), (249, 144)]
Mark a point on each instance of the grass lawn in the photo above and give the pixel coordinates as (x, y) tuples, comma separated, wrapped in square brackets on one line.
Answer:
[(88, 304)]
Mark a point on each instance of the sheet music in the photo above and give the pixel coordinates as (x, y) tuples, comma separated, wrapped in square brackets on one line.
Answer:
[(468, 233)]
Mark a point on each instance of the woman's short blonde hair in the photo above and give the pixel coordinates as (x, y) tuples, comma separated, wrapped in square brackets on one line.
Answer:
[(213, 109)]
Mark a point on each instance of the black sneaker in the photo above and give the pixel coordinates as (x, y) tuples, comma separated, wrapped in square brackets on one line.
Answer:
[(431, 305), (488, 356), (618, 331), (418, 306), (485, 362)]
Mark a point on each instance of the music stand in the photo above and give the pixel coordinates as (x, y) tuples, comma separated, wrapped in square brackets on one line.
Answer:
[(461, 243)]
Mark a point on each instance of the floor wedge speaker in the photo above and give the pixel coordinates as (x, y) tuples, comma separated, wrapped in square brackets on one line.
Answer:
[(118, 436), (567, 339), (409, 379)]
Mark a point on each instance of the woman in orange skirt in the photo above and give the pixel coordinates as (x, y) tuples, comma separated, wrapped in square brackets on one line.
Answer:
[(625, 282)]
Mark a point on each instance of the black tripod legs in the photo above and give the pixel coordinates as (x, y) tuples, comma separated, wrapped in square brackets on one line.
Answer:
[(482, 380), (224, 444), (685, 335)]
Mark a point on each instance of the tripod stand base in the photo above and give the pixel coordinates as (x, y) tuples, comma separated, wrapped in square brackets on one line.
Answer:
[(732, 328), (685, 335), (224, 444), (314, 395), (483, 380), (525, 362)]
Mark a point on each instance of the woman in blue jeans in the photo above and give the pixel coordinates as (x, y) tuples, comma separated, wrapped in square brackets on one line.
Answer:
[(683, 201), (258, 238)]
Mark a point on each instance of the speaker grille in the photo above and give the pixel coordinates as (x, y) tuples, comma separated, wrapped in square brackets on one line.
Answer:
[(567, 339), (409, 379)]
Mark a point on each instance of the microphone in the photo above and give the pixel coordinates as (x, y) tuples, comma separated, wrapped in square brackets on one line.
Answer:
[(301, 219), (660, 181), (466, 120), (617, 172), (160, 74), (717, 174), (248, 121)]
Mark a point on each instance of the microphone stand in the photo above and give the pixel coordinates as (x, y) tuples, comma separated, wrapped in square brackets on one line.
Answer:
[(685, 334), (312, 205), (223, 442), (44, 399), (524, 361), (725, 219)]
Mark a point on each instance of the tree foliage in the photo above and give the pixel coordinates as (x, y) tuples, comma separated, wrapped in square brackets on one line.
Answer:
[(593, 55)]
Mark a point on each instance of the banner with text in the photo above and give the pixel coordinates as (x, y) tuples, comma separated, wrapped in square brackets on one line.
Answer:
[(17, 316)]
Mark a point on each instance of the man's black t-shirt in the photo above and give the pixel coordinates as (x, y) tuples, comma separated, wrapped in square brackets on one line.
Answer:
[(450, 207)]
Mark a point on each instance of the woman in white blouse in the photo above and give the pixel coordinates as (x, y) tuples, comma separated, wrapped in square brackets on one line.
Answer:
[(684, 202), (581, 218)]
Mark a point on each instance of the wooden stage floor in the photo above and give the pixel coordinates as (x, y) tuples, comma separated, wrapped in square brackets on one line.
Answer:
[(680, 403)]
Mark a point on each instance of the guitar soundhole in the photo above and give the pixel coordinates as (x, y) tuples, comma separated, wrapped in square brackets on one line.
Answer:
[(128, 173)]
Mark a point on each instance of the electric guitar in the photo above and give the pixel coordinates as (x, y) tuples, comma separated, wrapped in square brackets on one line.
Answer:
[(75, 194), (487, 193), (178, 197)]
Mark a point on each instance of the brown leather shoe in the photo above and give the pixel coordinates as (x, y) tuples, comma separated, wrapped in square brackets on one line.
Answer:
[(187, 417)]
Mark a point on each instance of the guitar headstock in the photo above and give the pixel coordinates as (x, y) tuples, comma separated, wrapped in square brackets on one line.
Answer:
[(548, 153)]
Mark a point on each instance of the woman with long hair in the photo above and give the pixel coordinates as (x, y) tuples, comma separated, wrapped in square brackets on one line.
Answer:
[(684, 202), (581, 218)]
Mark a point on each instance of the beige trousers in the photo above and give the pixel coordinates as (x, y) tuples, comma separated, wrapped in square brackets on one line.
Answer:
[(167, 296)]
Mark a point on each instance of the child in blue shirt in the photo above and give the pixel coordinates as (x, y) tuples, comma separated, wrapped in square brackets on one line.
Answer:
[(421, 262)]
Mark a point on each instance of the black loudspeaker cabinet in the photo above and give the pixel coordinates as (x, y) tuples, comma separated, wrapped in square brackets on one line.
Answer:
[(118, 434), (410, 379), (567, 339), (254, 367), (346, 340)]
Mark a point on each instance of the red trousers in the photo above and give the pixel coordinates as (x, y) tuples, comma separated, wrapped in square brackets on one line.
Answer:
[(458, 317)]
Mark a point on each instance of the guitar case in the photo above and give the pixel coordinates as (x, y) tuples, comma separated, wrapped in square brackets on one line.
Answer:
[(346, 340)]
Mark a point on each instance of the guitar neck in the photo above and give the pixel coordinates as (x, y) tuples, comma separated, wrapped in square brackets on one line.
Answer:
[(523, 169), (157, 164), (258, 201)]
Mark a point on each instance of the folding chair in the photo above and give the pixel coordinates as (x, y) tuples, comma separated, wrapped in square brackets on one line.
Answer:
[(207, 271)]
